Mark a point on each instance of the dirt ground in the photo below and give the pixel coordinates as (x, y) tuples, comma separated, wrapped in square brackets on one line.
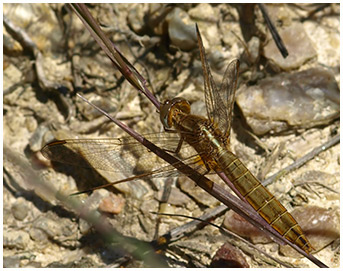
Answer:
[(45, 227)]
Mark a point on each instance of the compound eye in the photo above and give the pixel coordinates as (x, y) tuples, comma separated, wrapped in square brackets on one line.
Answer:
[(164, 114), (170, 108)]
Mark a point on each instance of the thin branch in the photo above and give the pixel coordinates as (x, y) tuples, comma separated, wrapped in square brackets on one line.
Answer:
[(139, 249), (301, 161), (123, 65), (277, 39), (204, 219), (240, 207)]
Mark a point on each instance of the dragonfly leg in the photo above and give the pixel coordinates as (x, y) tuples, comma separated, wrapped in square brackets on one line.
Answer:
[(208, 169), (168, 130), (178, 148), (206, 164), (205, 172)]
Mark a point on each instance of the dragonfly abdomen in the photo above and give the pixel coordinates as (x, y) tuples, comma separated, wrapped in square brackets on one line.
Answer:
[(262, 200), (209, 142)]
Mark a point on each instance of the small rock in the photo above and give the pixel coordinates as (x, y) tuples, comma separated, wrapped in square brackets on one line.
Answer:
[(20, 209), (181, 30), (112, 204), (135, 19), (240, 226), (27, 17), (176, 197), (228, 256), (204, 12), (16, 239), (50, 227), (38, 235), (299, 100), (298, 44), (36, 140)]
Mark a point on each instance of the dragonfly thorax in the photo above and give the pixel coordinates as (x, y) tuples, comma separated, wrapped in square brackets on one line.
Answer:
[(172, 107)]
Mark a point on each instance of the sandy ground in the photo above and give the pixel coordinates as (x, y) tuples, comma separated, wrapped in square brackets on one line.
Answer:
[(43, 229)]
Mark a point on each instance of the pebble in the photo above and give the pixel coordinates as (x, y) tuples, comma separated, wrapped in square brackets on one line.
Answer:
[(17, 239), (36, 140), (228, 256), (176, 197), (297, 43), (299, 100), (20, 209), (50, 227), (181, 30), (28, 17), (112, 204), (38, 235), (240, 226)]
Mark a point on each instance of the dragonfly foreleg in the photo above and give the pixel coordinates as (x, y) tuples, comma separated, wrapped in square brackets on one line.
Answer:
[(178, 148)]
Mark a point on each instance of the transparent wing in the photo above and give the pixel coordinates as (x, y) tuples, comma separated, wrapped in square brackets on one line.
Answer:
[(219, 104), (227, 93), (209, 85), (120, 154)]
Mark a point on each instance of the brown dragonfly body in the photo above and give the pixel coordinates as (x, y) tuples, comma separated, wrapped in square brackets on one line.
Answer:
[(210, 138), (213, 148)]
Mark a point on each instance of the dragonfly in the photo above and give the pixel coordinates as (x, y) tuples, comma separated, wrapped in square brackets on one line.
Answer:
[(205, 142)]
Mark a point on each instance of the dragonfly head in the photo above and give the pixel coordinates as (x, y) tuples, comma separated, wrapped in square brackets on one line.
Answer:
[(171, 108)]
